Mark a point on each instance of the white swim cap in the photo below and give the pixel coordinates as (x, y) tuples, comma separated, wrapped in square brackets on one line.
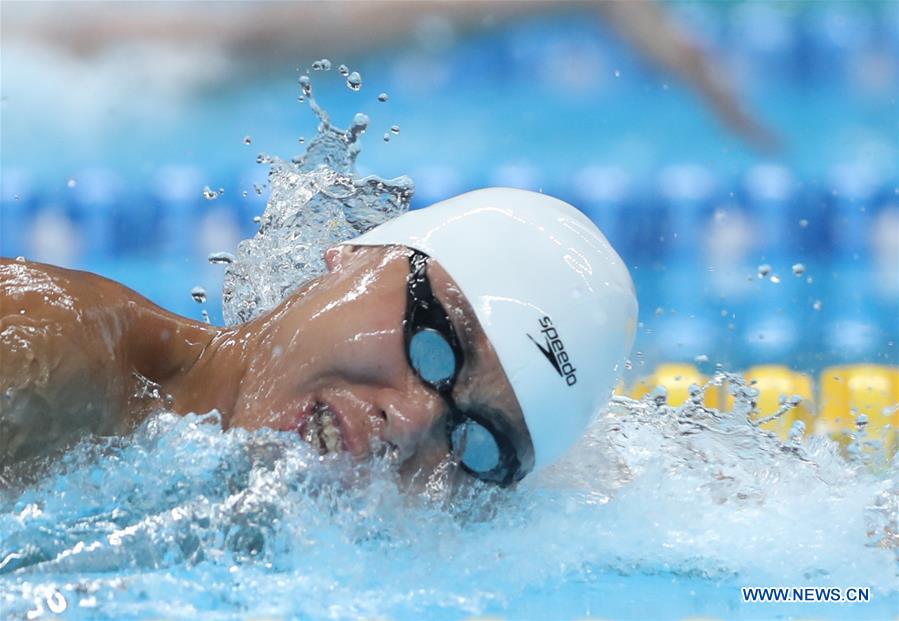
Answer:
[(551, 294)]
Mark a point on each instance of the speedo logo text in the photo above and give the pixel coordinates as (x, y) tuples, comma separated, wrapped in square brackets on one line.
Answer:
[(554, 349)]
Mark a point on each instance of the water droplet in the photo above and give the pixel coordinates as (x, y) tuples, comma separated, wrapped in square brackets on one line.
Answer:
[(71, 183), (209, 194), (322, 65), (775, 279), (817, 305), (220, 258), (357, 128), (198, 294), (798, 269), (248, 139), (803, 223), (383, 97), (343, 69), (354, 81), (763, 270), (395, 129), (306, 85)]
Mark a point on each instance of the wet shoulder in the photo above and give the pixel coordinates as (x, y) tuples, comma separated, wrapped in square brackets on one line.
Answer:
[(27, 287)]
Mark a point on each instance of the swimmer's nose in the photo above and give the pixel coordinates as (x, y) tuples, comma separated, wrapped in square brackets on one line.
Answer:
[(413, 419)]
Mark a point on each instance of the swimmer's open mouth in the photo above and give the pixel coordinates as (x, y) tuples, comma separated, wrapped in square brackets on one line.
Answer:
[(321, 429)]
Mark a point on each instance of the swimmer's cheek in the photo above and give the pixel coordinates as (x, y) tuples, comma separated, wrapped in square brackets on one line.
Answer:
[(430, 468)]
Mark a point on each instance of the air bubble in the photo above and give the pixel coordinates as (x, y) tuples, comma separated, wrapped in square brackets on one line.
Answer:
[(803, 223), (248, 139), (395, 129), (71, 183), (817, 305), (209, 194), (701, 358), (763, 270), (344, 70), (198, 294), (383, 97), (386, 137), (798, 269), (775, 279)]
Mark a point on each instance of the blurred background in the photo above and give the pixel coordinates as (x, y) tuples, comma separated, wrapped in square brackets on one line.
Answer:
[(741, 156)]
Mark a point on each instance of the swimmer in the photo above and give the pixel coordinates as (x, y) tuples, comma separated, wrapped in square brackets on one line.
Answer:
[(487, 328)]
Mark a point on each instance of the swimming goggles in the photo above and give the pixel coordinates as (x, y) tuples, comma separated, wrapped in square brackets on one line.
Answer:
[(480, 443)]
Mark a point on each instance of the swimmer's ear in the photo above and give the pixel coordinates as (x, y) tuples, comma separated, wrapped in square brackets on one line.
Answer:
[(335, 255)]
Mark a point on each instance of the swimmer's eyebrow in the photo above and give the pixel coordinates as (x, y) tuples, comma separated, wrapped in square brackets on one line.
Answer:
[(465, 333)]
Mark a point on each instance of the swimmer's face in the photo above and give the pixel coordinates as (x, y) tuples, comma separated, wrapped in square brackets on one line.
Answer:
[(331, 364)]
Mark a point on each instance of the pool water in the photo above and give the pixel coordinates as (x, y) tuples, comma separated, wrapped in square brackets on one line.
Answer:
[(660, 512)]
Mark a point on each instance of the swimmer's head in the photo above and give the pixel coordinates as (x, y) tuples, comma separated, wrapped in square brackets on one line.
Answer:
[(551, 295)]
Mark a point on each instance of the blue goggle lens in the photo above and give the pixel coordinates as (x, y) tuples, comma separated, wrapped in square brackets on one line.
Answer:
[(432, 356), (475, 447)]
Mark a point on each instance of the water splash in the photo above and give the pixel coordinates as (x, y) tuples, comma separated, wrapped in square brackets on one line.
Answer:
[(317, 200), (181, 518)]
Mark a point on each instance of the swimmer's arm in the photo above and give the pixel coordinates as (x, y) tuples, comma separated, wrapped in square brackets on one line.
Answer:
[(77, 352), (327, 28), (647, 26), (60, 359)]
